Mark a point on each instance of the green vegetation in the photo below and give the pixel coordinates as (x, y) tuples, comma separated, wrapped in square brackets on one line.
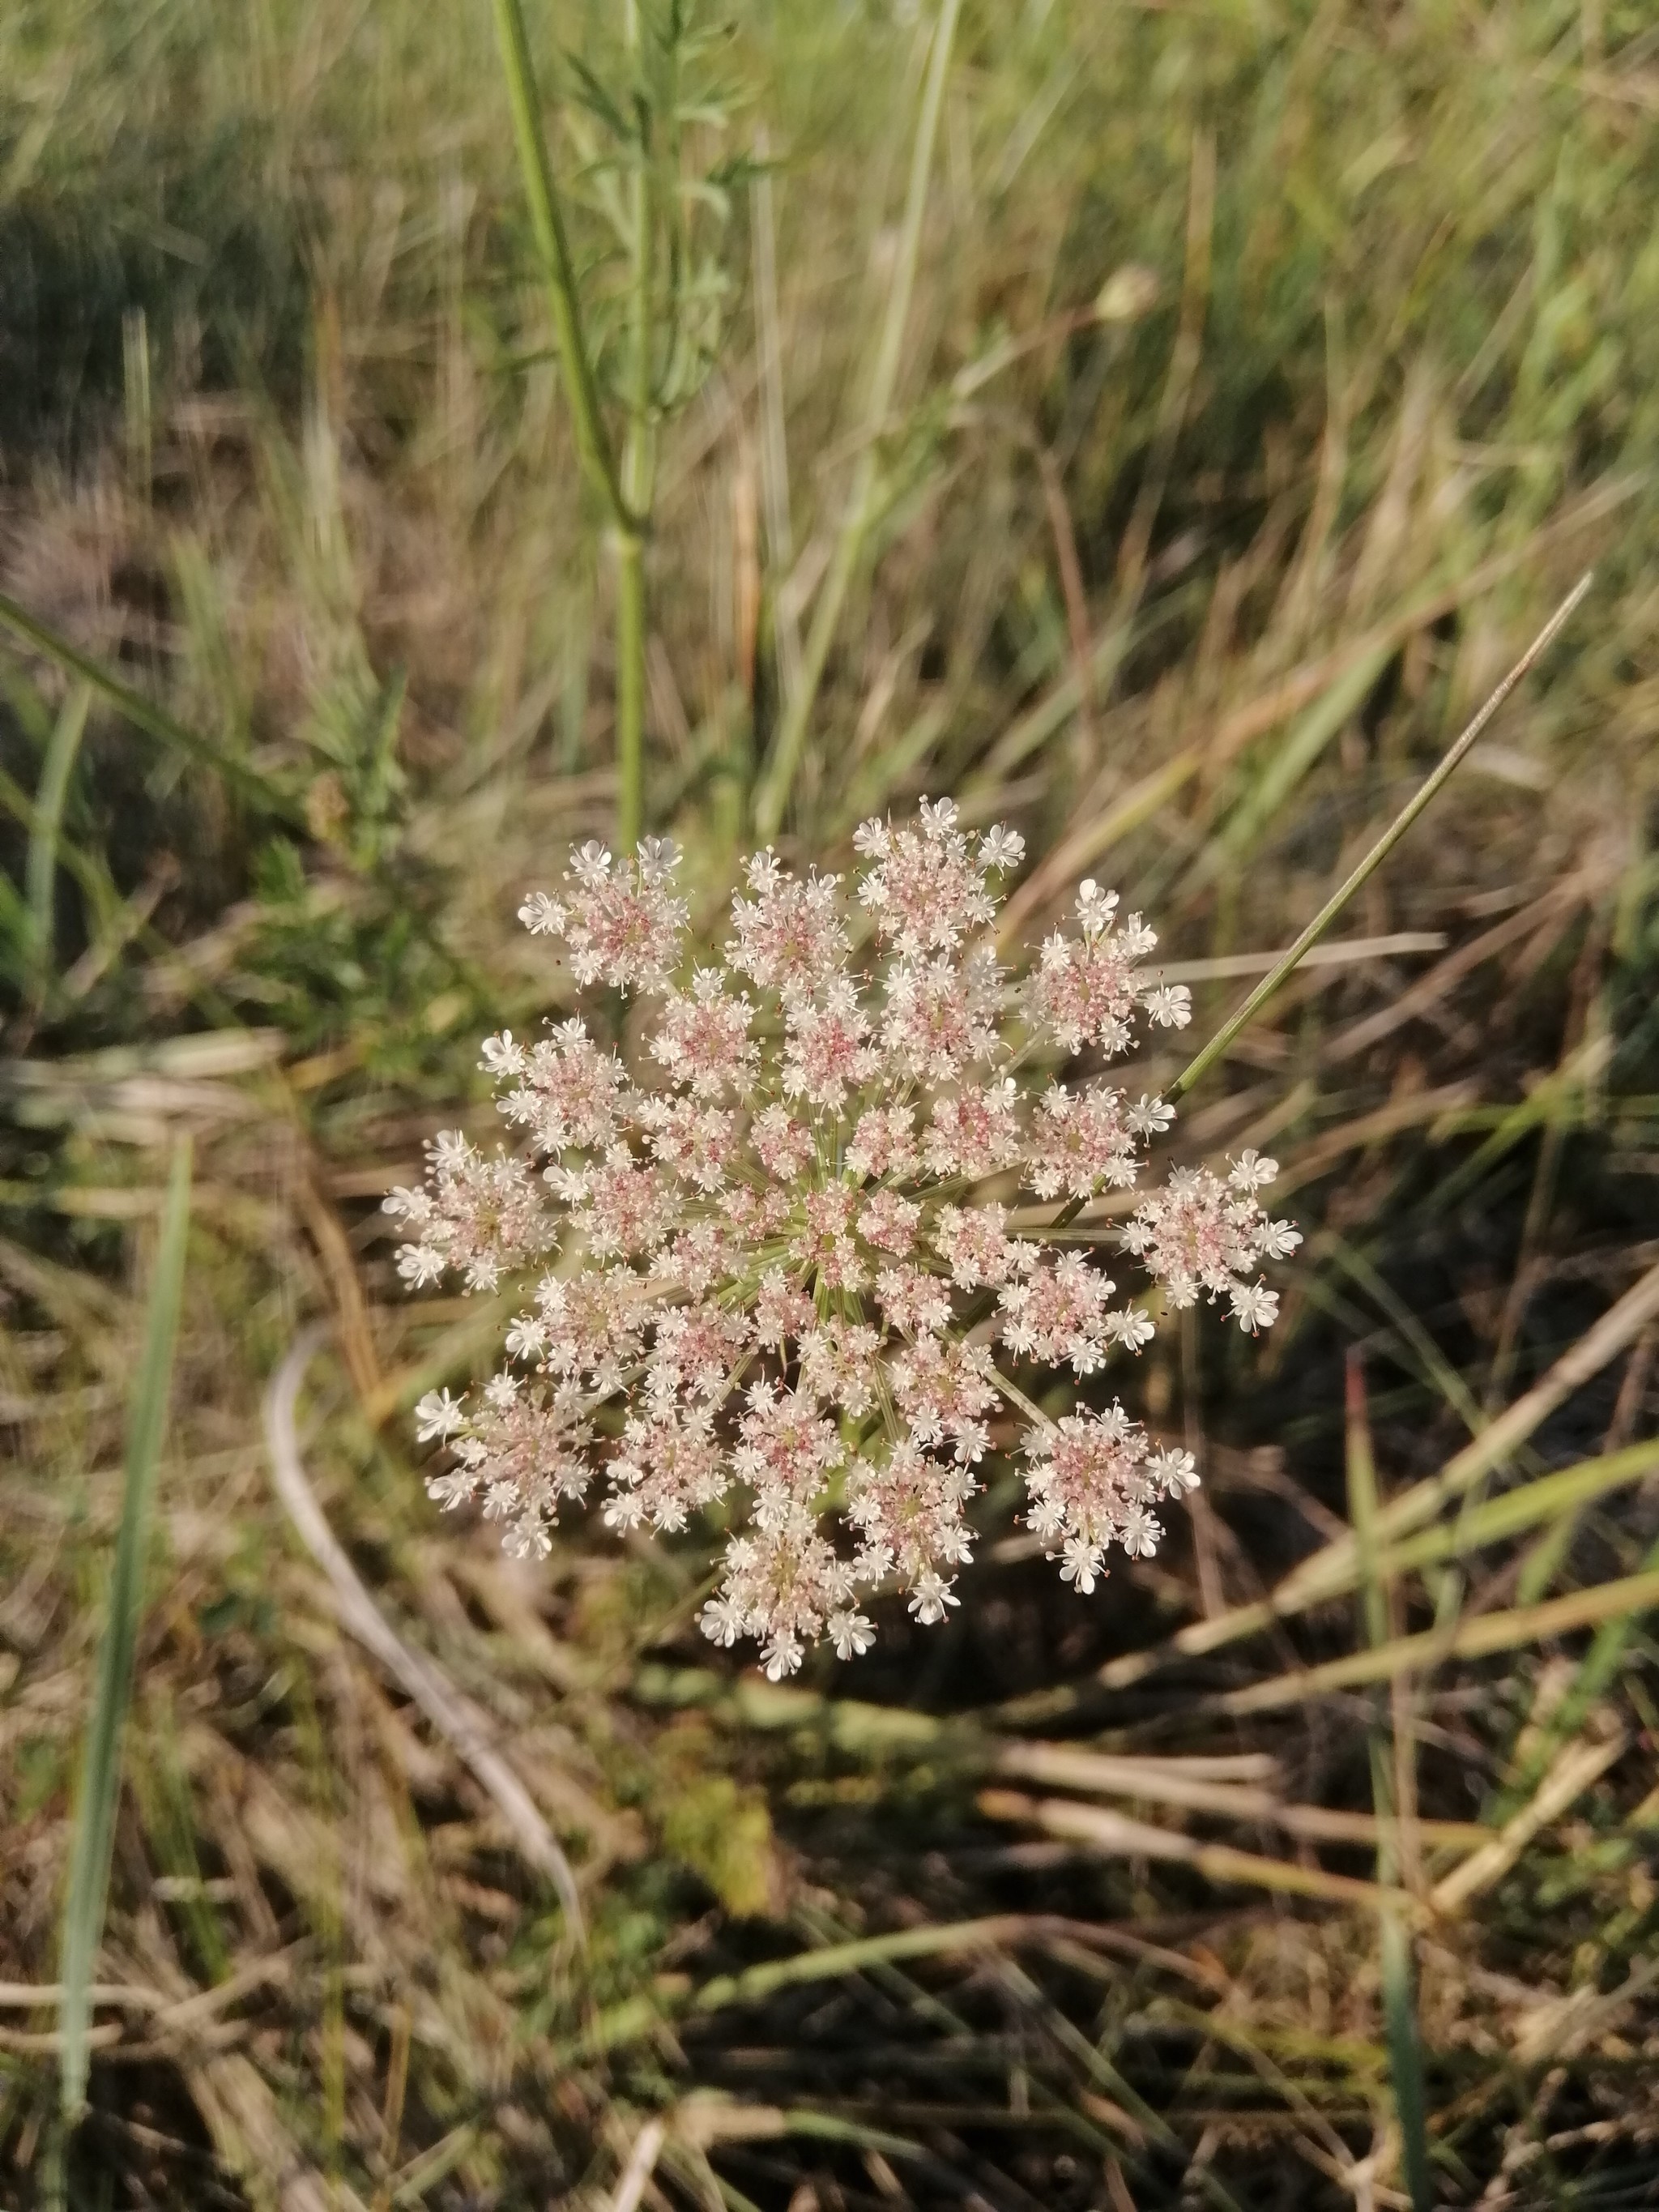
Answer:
[(1159, 425)]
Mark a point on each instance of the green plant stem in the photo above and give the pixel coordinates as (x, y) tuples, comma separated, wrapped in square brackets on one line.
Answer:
[(547, 222), (631, 688), (638, 471), (1379, 851), (772, 800), (100, 1770), (625, 498)]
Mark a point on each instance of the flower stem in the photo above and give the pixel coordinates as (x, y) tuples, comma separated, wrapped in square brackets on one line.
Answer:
[(638, 471), (1016, 1396), (631, 688), (625, 499), (547, 222)]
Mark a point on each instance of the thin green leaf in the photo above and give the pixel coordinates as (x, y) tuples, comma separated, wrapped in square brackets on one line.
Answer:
[(100, 1771), (40, 869), (145, 714)]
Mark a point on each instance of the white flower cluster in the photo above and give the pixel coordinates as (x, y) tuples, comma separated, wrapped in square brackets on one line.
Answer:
[(780, 1263)]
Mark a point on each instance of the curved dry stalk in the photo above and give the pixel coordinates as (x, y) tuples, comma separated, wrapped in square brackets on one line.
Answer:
[(418, 1676)]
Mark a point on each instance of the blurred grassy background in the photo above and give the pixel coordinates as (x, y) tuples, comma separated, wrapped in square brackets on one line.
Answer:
[(1272, 369)]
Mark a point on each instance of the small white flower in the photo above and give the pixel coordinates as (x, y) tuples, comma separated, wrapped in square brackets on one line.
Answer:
[(437, 1417), (852, 1634), (1095, 908), (1255, 1306), (1001, 849), (501, 1056), (1169, 1004), (1174, 1471), (590, 864), (419, 1265), (721, 1621), (542, 916), (1080, 1564), (1131, 1327), (527, 1540), (930, 1598), (528, 1337), (1140, 1534), (1251, 1172), (1278, 1240), (782, 1656), (1149, 1117), (659, 858)]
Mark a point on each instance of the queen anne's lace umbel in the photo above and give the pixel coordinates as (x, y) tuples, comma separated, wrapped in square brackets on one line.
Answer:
[(783, 1266)]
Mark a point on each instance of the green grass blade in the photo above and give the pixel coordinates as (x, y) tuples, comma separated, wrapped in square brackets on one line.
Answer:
[(40, 869), (100, 1771), (1394, 1939), (1406, 2057), (145, 714), (1378, 852)]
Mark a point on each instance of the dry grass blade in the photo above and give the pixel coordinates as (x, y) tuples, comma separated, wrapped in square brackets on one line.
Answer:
[(1065, 1766), (1230, 965), (1495, 1445), (1595, 1676), (635, 2177), (418, 1676), (1119, 1836), (1476, 1637), (100, 1771), (1577, 1767), (638, 2018)]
